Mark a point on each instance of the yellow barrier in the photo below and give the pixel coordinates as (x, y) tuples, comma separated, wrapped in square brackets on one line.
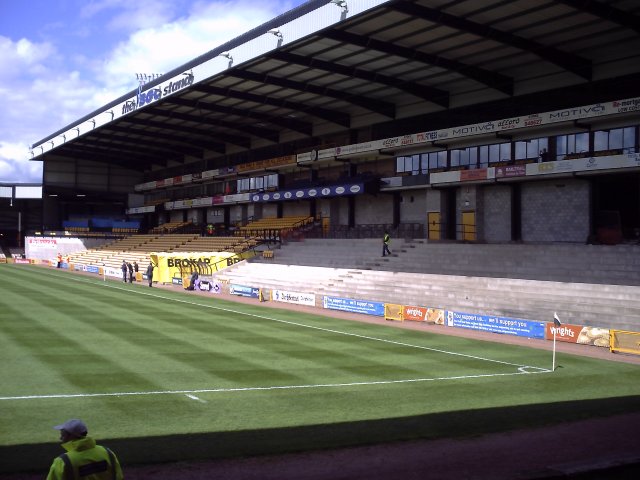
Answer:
[(624, 342), (393, 311)]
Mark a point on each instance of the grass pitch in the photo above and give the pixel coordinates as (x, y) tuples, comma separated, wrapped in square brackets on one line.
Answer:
[(163, 376)]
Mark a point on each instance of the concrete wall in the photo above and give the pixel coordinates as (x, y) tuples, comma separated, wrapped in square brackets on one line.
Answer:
[(497, 213), (555, 211), (301, 207), (371, 209), (413, 206)]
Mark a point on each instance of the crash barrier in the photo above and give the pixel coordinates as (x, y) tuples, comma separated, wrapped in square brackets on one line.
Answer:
[(624, 342)]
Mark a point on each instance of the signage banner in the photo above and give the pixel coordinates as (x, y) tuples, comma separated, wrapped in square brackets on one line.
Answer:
[(148, 209), (578, 334), (264, 164), (171, 265), (487, 323), (244, 291), (423, 314), (352, 305), (511, 171), (304, 193), (475, 174), (298, 298), (213, 287)]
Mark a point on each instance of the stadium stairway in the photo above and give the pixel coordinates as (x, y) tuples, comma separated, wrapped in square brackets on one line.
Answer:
[(586, 284)]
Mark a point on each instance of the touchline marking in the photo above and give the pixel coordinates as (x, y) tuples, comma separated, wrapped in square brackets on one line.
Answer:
[(366, 337), (193, 397), (190, 393)]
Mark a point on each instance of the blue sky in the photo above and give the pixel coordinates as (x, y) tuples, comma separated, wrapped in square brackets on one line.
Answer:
[(62, 59)]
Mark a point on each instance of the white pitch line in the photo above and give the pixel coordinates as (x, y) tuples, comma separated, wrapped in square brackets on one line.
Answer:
[(193, 397), (188, 393), (366, 337)]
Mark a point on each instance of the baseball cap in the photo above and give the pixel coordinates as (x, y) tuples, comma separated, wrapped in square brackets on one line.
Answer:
[(74, 426)]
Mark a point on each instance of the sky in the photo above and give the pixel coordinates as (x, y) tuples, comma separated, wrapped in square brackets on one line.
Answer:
[(62, 59)]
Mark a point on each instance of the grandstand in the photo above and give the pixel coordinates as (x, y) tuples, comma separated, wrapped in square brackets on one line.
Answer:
[(508, 178)]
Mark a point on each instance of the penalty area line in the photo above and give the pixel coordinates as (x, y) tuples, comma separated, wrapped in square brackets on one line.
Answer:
[(192, 393)]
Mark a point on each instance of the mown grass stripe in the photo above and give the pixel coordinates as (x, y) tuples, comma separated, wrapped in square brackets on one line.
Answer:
[(266, 388)]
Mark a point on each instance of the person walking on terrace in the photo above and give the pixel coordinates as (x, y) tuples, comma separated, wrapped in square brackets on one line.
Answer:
[(386, 240)]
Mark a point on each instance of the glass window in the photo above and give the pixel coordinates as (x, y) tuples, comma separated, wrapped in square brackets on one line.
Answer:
[(629, 139), (570, 144), (455, 158), (530, 149), (615, 139)]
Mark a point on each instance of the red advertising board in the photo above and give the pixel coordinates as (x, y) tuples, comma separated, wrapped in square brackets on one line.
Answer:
[(475, 174), (578, 334), (414, 314), (422, 314)]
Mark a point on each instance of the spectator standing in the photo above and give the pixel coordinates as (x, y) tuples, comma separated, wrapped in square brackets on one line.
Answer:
[(150, 274), (130, 268), (83, 459), (544, 155), (386, 240), (124, 271), (135, 269), (59, 260)]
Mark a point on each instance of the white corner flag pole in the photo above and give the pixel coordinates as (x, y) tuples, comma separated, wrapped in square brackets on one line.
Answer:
[(556, 324)]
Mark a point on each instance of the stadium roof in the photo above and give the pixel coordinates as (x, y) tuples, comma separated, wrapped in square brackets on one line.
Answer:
[(336, 69)]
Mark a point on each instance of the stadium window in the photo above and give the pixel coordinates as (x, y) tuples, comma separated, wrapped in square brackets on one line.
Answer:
[(271, 181), (615, 139), (436, 160), (409, 164), (530, 149), (574, 143), (243, 185), (461, 157)]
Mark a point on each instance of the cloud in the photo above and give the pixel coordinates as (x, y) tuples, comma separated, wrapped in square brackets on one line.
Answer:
[(18, 171), (163, 48), (42, 89)]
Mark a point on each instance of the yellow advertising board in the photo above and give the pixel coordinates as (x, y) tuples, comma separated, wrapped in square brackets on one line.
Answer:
[(169, 265)]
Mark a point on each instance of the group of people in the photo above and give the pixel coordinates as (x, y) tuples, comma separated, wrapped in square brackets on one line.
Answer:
[(129, 268), (130, 271)]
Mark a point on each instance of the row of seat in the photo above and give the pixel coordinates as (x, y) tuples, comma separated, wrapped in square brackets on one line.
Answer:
[(273, 223)]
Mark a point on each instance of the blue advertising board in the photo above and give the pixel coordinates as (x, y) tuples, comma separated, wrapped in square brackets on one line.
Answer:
[(355, 306), (244, 291), (304, 193), (488, 323)]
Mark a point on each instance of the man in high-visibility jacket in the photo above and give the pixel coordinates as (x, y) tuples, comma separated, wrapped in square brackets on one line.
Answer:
[(84, 459), (386, 240)]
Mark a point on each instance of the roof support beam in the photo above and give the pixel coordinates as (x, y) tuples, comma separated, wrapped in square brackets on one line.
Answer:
[(494, 80), (323, 113), (264, 133), (91, 153), (371, 104), (290, 123), (123, 143), (425, 92), (606, 12), (573, 63), (182, 140)]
